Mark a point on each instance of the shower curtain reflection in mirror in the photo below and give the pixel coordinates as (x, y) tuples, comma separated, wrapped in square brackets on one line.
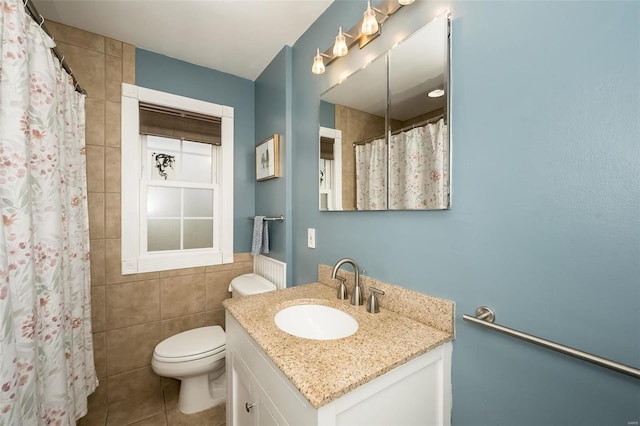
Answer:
[(418, 170)]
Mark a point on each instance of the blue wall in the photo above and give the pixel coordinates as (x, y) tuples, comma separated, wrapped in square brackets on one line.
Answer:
[(273, 115), (545, 224), (166, 74)]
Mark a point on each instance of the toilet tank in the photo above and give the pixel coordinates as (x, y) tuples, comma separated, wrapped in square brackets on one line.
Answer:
[(248, 284)]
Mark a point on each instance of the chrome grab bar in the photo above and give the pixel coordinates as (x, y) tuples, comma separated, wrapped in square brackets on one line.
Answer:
[(485, 317)]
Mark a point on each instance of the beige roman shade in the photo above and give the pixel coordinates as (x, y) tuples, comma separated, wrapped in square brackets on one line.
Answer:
[(156, 120), (326, 148)]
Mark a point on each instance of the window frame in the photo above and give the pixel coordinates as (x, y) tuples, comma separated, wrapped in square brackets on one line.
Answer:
[(134, 259)]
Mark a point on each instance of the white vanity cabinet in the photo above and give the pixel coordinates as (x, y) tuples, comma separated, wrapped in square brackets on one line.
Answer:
[(416, 393)]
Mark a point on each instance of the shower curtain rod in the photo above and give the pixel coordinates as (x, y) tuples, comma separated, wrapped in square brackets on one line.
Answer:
[(404, 129), (38, 18)]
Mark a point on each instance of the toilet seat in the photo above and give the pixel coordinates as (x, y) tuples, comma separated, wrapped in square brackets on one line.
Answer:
[(191, 345)]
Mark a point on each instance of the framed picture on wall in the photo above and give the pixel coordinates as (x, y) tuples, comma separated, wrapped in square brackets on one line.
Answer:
[(267, 159)]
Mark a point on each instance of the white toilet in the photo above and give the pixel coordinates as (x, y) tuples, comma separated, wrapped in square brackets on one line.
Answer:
[(197, 357)]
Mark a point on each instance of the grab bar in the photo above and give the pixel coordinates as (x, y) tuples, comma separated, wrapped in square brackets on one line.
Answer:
[(485, 317), (279, 218)]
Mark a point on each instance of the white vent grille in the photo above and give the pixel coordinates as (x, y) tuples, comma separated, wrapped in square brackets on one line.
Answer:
[(271, 269)]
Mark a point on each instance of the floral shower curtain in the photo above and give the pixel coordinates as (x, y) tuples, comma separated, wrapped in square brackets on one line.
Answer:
[(418, 167), (46, 349), (371, 175)]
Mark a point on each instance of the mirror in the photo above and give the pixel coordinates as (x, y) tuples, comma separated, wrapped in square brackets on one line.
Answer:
[(384, 140)]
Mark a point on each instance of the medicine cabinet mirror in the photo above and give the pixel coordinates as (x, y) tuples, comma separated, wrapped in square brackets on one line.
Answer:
[(384, 141)]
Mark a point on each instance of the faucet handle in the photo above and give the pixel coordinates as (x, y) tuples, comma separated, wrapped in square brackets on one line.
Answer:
[(373, 306), (342, 288)]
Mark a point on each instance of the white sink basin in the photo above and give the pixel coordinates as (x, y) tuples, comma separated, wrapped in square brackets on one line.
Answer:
[(316, 322)]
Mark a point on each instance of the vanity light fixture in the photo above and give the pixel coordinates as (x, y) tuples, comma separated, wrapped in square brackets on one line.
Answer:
[(435, 93), (318, 63), (340, 47), (366, 30), (369, 21)]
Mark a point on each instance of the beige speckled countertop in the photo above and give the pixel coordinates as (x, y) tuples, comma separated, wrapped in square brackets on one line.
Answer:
[(325, 370)]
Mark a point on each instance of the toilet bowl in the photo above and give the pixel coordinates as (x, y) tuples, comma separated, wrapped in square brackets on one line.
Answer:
[(197, 358)]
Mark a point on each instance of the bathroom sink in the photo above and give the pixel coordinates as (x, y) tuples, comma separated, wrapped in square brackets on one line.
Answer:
[(316, 322)]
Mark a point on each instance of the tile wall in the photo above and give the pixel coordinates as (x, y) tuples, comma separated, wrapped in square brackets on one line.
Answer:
[(131, 313)]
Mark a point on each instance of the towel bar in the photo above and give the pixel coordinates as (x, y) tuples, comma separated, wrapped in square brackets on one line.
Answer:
[(485, 317), (278, 219)]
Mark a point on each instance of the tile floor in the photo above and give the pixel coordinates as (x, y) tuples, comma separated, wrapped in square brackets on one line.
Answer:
[(159, 409)]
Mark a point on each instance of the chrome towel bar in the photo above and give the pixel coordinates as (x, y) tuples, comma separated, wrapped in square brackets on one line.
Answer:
[(270, 219), (485, 317)]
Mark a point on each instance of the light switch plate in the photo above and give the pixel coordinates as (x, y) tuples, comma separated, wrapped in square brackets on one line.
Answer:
[(311, 237)]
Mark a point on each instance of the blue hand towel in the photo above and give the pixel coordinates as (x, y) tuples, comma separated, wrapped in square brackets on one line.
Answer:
[(260, 241)]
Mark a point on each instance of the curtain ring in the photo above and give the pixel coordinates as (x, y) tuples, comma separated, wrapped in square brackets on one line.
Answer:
[(42, 22), (26, 2)]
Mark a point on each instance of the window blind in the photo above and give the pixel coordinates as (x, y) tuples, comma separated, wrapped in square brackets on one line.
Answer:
[(156, 120), (326, 148)]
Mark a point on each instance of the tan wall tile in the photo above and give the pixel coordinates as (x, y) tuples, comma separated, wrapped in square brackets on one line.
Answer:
[(112, 124), (159, 419), (100, 354), (132, 347), (132, 384), (95, 168), (88, 66), (98, 259), (96, 215), (113, 47), (98, 305), (75, 36), (184, 271), (242, 257), (174, 326), (112, 170), (128, 63), (98, 398), (217, 287), (113, 78), (94, 121), (182, 295), (112, 215), (96, 416), (215, 317), (132, 303)]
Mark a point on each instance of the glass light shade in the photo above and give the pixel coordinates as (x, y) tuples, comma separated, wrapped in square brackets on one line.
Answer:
[(405, 2), (340, 47), (318, 64), (436, 93), (369, 21)]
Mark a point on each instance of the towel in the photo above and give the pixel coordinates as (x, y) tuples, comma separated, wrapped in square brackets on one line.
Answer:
[(260, 241)]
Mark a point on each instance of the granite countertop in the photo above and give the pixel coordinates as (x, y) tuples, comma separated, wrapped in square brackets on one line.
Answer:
[(324, 370)]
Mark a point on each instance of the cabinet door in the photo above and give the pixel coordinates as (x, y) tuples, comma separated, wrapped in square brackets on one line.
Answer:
[(244, 398)]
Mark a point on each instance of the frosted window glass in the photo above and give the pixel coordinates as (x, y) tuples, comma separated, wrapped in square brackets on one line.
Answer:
[(163, 202), (197, 168), (197, 148), (198, 233), (163, 144), (163, 234), (198, 203)]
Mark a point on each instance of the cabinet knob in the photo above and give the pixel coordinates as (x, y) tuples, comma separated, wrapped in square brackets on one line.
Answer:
[(248, 407)]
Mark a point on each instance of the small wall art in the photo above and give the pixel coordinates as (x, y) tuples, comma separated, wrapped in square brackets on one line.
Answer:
[(267, 159)]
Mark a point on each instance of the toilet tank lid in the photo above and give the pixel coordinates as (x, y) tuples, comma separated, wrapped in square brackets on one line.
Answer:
[(251, 284), (192, 342)]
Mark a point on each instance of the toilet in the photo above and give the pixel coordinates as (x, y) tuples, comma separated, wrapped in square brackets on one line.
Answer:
[(197, 357)]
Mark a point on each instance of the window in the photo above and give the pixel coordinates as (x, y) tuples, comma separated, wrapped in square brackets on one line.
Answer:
[(177, 182), (330, 168)]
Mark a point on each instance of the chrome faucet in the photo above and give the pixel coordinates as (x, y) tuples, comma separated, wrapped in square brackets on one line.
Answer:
[(356, 294)]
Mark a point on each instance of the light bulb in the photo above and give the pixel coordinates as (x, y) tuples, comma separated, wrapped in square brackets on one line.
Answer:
[(369, 21), (318, 64), (405, 2), (340, 47)]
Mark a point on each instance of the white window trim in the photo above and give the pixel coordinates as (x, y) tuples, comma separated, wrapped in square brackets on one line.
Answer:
[(133, 261), (335, 198)]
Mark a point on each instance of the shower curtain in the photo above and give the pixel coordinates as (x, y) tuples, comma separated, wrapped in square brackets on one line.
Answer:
[(418, 167), (46, 349), (371, 175)]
